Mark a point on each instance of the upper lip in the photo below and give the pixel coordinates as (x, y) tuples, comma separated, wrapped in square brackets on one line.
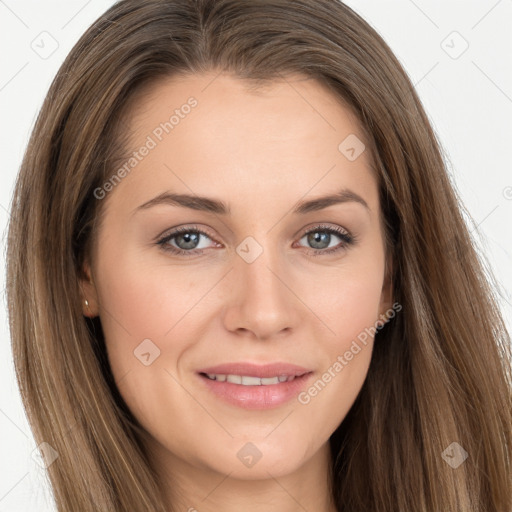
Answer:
[(255, 370)]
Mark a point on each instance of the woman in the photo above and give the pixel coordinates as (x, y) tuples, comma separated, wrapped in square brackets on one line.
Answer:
[(249, 283)]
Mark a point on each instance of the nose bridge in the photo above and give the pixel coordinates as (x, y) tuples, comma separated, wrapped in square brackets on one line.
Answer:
[(260, 300), (255, 266)]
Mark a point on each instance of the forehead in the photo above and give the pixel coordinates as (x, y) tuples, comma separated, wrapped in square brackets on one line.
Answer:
[(294, 95), (214, 133)]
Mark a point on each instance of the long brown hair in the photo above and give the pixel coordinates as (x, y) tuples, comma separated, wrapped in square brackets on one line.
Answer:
[(440, 370)]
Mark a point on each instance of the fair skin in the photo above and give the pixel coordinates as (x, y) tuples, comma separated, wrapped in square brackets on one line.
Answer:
[(260, 152)]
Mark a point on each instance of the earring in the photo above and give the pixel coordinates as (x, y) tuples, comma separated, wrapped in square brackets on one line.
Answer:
[(87, 303)]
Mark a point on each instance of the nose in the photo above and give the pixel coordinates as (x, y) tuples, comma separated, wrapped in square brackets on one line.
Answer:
[(260, 299)]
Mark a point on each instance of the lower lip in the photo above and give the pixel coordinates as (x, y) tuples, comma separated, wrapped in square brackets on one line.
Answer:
[(257, 397)]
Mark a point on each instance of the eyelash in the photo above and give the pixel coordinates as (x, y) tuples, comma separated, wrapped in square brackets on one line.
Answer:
[(347, 238)]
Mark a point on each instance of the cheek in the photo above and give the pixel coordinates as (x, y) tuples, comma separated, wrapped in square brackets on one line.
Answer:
[(143, 296), (348, 303), (151, 316), (171, 305), (347, 299)]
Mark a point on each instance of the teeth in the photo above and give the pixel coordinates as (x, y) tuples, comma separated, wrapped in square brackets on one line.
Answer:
[(251, 381), (247, 380)]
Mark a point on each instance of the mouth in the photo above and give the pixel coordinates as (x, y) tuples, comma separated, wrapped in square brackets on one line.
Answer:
[(249, 380), (252, 386)]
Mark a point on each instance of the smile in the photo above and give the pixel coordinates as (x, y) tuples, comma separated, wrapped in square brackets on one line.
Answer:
[(252, 386), (246, 380)]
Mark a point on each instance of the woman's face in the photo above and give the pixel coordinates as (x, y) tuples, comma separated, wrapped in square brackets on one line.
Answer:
[(265, 279)]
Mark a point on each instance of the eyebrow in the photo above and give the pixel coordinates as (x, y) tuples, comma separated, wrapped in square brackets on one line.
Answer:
[(218, 207)]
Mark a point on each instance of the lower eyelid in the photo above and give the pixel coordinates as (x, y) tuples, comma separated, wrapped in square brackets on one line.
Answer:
[(167, 239), (346, 240)]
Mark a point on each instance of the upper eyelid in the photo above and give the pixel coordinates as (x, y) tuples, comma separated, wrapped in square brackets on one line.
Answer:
[(186, 229)]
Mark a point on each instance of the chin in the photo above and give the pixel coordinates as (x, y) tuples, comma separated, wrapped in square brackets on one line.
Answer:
[(259, 459)]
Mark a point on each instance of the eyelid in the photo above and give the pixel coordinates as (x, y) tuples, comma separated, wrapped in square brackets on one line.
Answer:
[(347, 238), (323, 225), (182, 229), (170, 234)]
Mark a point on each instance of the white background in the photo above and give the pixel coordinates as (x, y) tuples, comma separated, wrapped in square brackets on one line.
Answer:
[(468, 99)]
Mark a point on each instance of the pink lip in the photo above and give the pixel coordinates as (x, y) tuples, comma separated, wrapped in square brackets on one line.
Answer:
[(257, 397)]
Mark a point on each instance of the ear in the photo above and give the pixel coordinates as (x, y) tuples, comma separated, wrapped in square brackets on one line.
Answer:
[(386, 298), (88, 292)]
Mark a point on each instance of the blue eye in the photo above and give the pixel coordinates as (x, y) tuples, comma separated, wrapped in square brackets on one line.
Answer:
[(185, 241), (321, 237)]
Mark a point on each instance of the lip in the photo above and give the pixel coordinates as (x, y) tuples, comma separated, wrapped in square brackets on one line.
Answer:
[(256, 397)]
